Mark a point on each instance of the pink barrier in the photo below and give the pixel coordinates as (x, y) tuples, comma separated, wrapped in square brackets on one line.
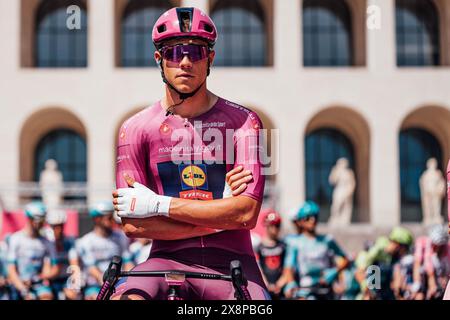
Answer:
[(14, 221)]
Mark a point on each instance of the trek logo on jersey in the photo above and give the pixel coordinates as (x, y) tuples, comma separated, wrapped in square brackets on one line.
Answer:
[(194, 182)]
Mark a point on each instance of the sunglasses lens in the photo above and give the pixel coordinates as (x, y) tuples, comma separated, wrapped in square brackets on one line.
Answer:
[(177, 53)]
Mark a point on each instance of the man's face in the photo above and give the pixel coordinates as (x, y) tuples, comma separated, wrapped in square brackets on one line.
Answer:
[(36, 223), (106, 222), (393, 248), (58, 230), (308, 224), (439, 249), (185, 76), (272, 230)]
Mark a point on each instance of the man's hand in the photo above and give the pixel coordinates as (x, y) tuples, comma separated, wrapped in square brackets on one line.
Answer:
[(236, 181), (138, 201)]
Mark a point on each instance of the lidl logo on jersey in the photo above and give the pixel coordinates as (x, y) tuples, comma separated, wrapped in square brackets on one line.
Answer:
[(194, 182)]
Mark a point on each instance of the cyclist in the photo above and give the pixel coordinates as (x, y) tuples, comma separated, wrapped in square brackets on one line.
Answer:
[(431, 264), (312, 259), (97, 248), (66, 256), (402, 277), (31, 257), (384, 254), (175, 157), (271, 253)]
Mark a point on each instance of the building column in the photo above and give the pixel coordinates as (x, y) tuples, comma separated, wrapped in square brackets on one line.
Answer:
[(381, 46), (288, 54), (100, 135), (9, 113), (385, 174), (101, 49)]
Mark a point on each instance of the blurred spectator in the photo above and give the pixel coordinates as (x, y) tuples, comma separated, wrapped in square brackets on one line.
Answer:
[(66, 257), (384, 254), (31, 257), (270, 254), (431, 264), (97, 248), (311, 258)]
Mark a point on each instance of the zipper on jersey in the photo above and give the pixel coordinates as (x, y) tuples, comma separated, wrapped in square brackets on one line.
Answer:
[(187, 124)]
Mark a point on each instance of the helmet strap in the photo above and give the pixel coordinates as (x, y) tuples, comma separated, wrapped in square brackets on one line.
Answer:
[(182, 95)]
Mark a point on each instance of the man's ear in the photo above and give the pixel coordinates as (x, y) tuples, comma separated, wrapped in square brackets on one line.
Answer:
[(212, 55), (157, 57)]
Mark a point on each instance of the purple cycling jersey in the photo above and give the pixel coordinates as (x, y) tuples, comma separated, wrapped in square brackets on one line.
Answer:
[(189, 158), (151, 145)]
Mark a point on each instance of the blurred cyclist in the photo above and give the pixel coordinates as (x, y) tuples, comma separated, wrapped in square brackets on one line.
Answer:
[(31, 257), (66, 257), (97, 248), (431, 264), (270, 254), (383, 255), (313, 259)]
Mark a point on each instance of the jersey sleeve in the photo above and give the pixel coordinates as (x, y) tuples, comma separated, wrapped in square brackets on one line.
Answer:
[(290, 259), (335, 248), (248, 147), (131, 155), (11, 255), (72, 253)]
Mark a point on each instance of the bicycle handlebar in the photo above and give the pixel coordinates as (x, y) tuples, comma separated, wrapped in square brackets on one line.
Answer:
[(113, 273), (161, 273)]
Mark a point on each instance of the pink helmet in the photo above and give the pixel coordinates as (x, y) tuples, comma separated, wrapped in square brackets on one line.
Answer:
[(184, 22)]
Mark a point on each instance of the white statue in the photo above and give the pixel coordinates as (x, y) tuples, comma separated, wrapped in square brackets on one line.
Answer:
[(432, 190), (343, 178), (51, 183)]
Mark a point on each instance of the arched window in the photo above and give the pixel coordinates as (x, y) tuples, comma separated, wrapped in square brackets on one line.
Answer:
[(138, 19), (56, 44), (416, 147), (323, 147), (417, 29), (327, 33), (242, 33), (68, 149)]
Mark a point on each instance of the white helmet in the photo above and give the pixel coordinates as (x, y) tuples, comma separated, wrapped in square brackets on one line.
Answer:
[(101, 208), (55, 217), (35, 210), (438, 235)]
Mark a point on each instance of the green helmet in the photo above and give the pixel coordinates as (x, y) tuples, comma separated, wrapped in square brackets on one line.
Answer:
[(309, 208), (401, 236)]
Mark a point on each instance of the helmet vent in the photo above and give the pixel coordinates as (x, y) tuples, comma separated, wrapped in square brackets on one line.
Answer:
[(208, 28), (185, 18), (162, 28)]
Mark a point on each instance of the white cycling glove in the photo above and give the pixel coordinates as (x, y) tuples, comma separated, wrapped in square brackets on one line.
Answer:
[(141, 202), (227, 193)]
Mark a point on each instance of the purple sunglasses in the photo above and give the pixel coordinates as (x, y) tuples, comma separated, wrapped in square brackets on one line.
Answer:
[(176, 53)]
